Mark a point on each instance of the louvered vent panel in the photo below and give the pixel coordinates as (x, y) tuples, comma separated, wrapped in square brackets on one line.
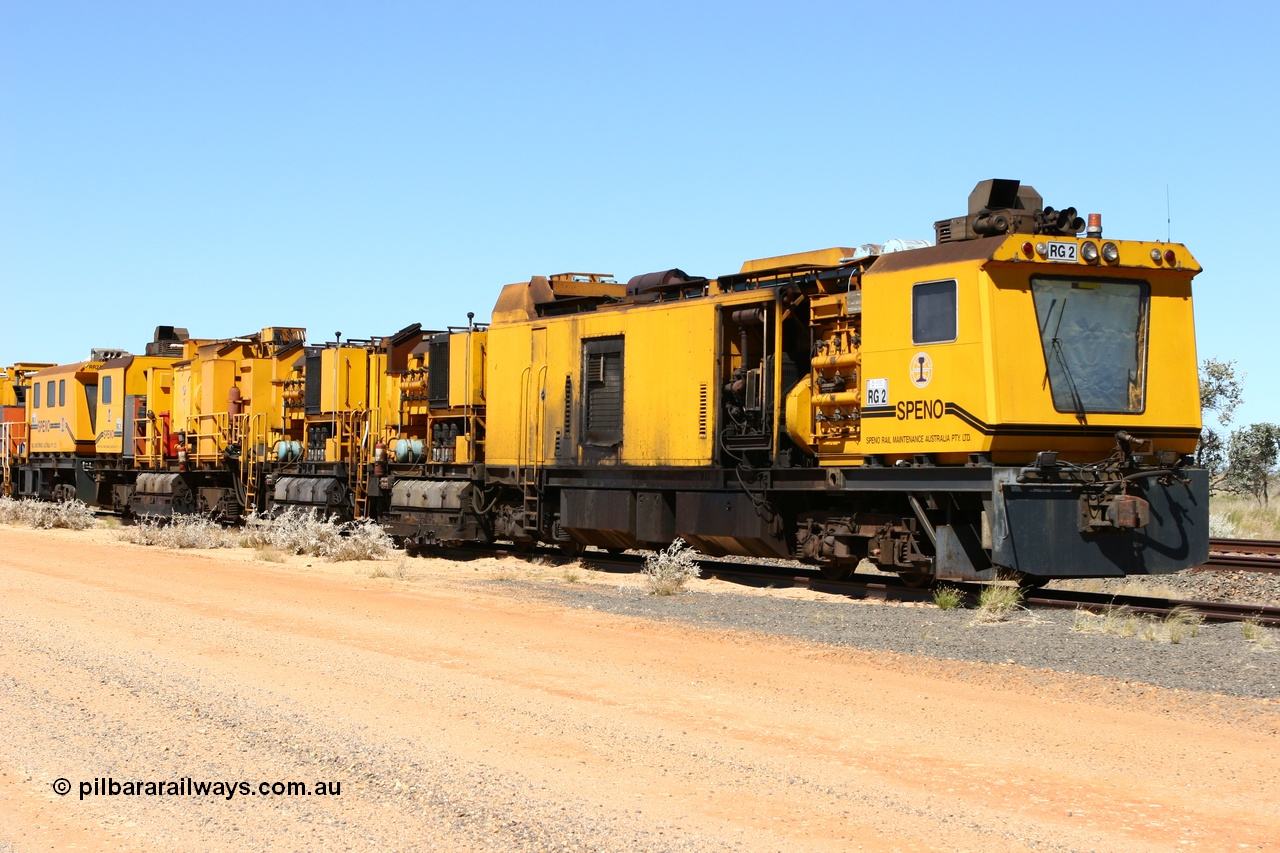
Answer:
[(568, 405), (438, 372), (311, 389), (604, 394), (702, 411)]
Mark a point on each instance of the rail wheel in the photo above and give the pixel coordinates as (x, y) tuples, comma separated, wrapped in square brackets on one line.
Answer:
[(917, 580), (1026, 581), (834, 571)]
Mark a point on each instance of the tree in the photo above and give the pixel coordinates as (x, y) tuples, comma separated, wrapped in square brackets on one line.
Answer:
[(1211, 455), (1252, 454), (1220, 390)]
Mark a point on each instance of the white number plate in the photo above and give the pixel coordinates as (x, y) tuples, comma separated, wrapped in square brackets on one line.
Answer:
[(1063, 253), (877, 392)]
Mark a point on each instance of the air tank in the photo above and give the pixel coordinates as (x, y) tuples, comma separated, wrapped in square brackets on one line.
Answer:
[(409, 450), (288, 451)]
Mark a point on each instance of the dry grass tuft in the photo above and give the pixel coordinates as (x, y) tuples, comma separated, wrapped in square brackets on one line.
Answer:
[(667, 571), (400, 571), (272, 537), (1178, 625), (300, 532), (43, 515), (996, 603), (948, 598), (359, 540), (1146, 587), (180, 531), (1088, 622), (1255, 633), (504, 572), (1182, 622), (1240, 517), (1123, 622)]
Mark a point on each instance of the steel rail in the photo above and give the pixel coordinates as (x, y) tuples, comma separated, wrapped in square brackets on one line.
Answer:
[(1240, 563), (892, 588), (1244, 546), (1211, 611), (1242, 555)]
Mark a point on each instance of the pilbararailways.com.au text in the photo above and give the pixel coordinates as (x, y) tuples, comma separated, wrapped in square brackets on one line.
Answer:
[(188, 787)]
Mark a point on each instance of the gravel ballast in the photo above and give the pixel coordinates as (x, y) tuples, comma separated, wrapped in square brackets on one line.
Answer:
[(1212, 658)]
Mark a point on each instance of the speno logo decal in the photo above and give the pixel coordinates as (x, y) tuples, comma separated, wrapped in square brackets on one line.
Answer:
[(921, 369)]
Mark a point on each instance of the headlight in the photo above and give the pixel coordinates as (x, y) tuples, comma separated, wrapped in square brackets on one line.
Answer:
[(1110, 253), (1089, 251)]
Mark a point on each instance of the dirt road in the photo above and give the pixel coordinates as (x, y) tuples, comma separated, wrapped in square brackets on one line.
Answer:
[(456, 716)]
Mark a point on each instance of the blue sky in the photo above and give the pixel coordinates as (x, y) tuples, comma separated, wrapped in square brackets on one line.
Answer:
[(358, 167)]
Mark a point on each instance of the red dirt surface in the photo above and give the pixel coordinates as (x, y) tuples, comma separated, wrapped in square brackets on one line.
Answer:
[(458, 715)]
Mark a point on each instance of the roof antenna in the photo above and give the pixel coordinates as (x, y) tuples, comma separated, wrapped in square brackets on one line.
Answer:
[(1168, 217)]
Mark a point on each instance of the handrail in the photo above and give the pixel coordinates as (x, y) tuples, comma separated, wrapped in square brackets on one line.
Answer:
[(524, 415), (5, 487)]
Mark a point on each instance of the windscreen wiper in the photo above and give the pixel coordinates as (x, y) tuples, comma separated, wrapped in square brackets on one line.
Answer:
[(1056, 343)]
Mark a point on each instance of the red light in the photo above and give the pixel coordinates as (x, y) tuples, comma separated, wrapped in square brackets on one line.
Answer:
[(1028, 249), (1169, 257)]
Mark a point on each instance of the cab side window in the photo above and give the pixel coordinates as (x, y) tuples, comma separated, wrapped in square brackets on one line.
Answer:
[(106, 389), (62, 392), (49, 389), (35, 395), (934, 312)]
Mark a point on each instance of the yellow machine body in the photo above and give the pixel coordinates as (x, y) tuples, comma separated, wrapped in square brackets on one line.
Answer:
[(16, 379), (15, 386), (128, 389), (61, 409), (988, 390), (624, 385), (1015, 400), (229, 392)]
